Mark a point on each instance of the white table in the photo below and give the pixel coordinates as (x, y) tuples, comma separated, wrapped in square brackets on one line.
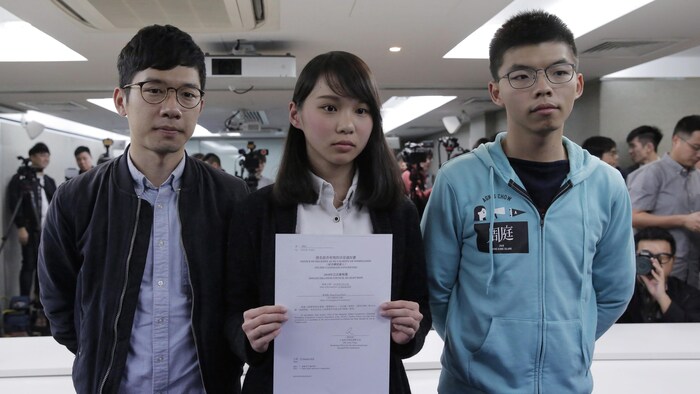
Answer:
[(630, 358)]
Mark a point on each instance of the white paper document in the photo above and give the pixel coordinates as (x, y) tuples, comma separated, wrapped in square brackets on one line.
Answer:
[(335, 340)]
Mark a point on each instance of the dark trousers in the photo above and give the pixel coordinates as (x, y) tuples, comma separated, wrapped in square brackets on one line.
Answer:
[(28, 274)]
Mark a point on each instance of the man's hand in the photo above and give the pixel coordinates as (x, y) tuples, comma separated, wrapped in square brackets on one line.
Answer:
[(23, 235), (261, 325), (405, 319), (656, 286), (692, 222)]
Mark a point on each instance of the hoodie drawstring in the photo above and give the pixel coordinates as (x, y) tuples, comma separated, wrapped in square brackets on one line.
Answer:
[(492, 216), (583, 199)]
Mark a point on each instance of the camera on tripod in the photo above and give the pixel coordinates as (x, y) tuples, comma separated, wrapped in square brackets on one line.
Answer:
[(451, 145), (249, 162), (251, 159), (416, 152), (26, 172), (105, 157)]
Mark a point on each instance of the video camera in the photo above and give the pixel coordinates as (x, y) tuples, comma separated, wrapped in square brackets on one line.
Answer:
[(451, 144), (416, 152), (105, 157), (249, 162), (643, 263), (28, 184), (25, 171), (251, 159)]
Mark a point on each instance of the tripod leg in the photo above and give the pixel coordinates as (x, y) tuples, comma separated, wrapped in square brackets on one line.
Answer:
[(11, 222), (27, 274)]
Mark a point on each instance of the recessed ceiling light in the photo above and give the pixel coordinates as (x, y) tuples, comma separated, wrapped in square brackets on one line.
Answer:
[(22, 42), (395, 49), (399, 110), (580, 20)]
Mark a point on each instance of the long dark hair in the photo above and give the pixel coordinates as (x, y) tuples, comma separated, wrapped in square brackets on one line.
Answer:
[(379, 184)]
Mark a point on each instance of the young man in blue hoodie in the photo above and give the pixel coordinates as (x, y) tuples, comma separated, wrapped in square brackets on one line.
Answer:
[(529, 238)]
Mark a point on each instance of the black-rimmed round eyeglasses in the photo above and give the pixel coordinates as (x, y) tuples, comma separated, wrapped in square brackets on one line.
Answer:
[(557, 73), (154, 92), (662, 258)]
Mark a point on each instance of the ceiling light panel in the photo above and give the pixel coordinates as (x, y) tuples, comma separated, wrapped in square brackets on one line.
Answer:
[(580, 19)]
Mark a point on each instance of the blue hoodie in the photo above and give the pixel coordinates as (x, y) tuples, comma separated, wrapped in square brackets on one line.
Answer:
[(520, 311)]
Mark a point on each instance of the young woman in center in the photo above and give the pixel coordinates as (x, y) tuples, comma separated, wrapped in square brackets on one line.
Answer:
[(337, 176)]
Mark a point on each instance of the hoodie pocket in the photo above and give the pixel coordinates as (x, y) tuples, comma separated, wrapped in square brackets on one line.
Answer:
[(566, 358), (506, 360)]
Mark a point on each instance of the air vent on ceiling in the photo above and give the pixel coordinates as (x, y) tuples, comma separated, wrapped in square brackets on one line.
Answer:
[(628, 48), (245, 120), (254, 116), (188, 15), (52, 106)]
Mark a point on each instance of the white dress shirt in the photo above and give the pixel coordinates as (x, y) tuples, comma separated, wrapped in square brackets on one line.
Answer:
[(324, 218)]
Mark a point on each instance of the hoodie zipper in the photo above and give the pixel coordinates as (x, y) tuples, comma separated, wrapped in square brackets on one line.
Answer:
[(562, 190), (121, 297), (191, 290)]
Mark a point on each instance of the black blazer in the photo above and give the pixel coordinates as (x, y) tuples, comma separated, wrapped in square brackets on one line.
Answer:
[(252, 280)]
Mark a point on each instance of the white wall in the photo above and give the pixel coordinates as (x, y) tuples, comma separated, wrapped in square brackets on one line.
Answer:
[(626, 104), (613, 108), (15, 142)]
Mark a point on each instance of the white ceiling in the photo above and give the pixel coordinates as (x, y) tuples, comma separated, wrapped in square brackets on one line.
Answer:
[(426, 30)]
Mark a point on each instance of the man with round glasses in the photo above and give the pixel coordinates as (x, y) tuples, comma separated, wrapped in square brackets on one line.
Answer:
[(155, 92), (126, 283), (666, 194), (523, 78), (658, 296), (521, 291)]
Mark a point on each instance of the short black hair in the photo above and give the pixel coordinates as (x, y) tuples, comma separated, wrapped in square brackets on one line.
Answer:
[(379, 182), (687, 125), (212, 158), (82, 149), (655, 234), (597, 145), (528, 28), (162, 48), (39, 147), (646, 134), (198, 156)]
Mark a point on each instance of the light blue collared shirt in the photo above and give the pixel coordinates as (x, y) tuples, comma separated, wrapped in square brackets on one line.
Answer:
[(162, 353)]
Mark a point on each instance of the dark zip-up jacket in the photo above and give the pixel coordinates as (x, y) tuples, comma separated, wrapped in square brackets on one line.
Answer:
[(252, 281), (684, 308), (92, 258)]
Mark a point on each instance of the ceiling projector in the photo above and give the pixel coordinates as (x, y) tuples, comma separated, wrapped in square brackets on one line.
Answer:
[(251, 66)]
